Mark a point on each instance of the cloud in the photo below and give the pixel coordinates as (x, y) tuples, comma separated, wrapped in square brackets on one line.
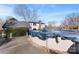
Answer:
[(4, 10)]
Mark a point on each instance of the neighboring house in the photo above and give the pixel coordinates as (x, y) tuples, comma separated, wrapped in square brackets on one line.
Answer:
[(36, 25), (1, 24), (11, 21)]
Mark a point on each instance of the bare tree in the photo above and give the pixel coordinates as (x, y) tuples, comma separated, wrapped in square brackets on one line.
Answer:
[(71, 21), (22, 11), (26, 13), (51, 25), (34, 15)]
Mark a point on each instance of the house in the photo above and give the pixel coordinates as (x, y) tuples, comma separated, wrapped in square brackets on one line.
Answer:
[(36, 25), (29, 24)]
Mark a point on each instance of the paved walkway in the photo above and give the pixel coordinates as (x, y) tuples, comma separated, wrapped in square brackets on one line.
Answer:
[(20, 45)]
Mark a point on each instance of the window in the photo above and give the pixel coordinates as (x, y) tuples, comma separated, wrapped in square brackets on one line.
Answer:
[(34, 24)]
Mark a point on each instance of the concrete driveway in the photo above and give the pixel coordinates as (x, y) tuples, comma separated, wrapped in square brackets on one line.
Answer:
[(20, 45)]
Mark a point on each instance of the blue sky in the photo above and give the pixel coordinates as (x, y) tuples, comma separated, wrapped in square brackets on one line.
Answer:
[(47, 12)]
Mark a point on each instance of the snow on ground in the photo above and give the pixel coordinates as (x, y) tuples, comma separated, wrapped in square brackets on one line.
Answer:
[(63, 45)]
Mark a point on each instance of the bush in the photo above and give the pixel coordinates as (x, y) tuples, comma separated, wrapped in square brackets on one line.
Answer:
[(17, 32)]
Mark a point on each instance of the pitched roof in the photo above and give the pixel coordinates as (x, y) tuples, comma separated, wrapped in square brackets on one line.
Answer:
[(20, 24), (23, 24), (35, 22)]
